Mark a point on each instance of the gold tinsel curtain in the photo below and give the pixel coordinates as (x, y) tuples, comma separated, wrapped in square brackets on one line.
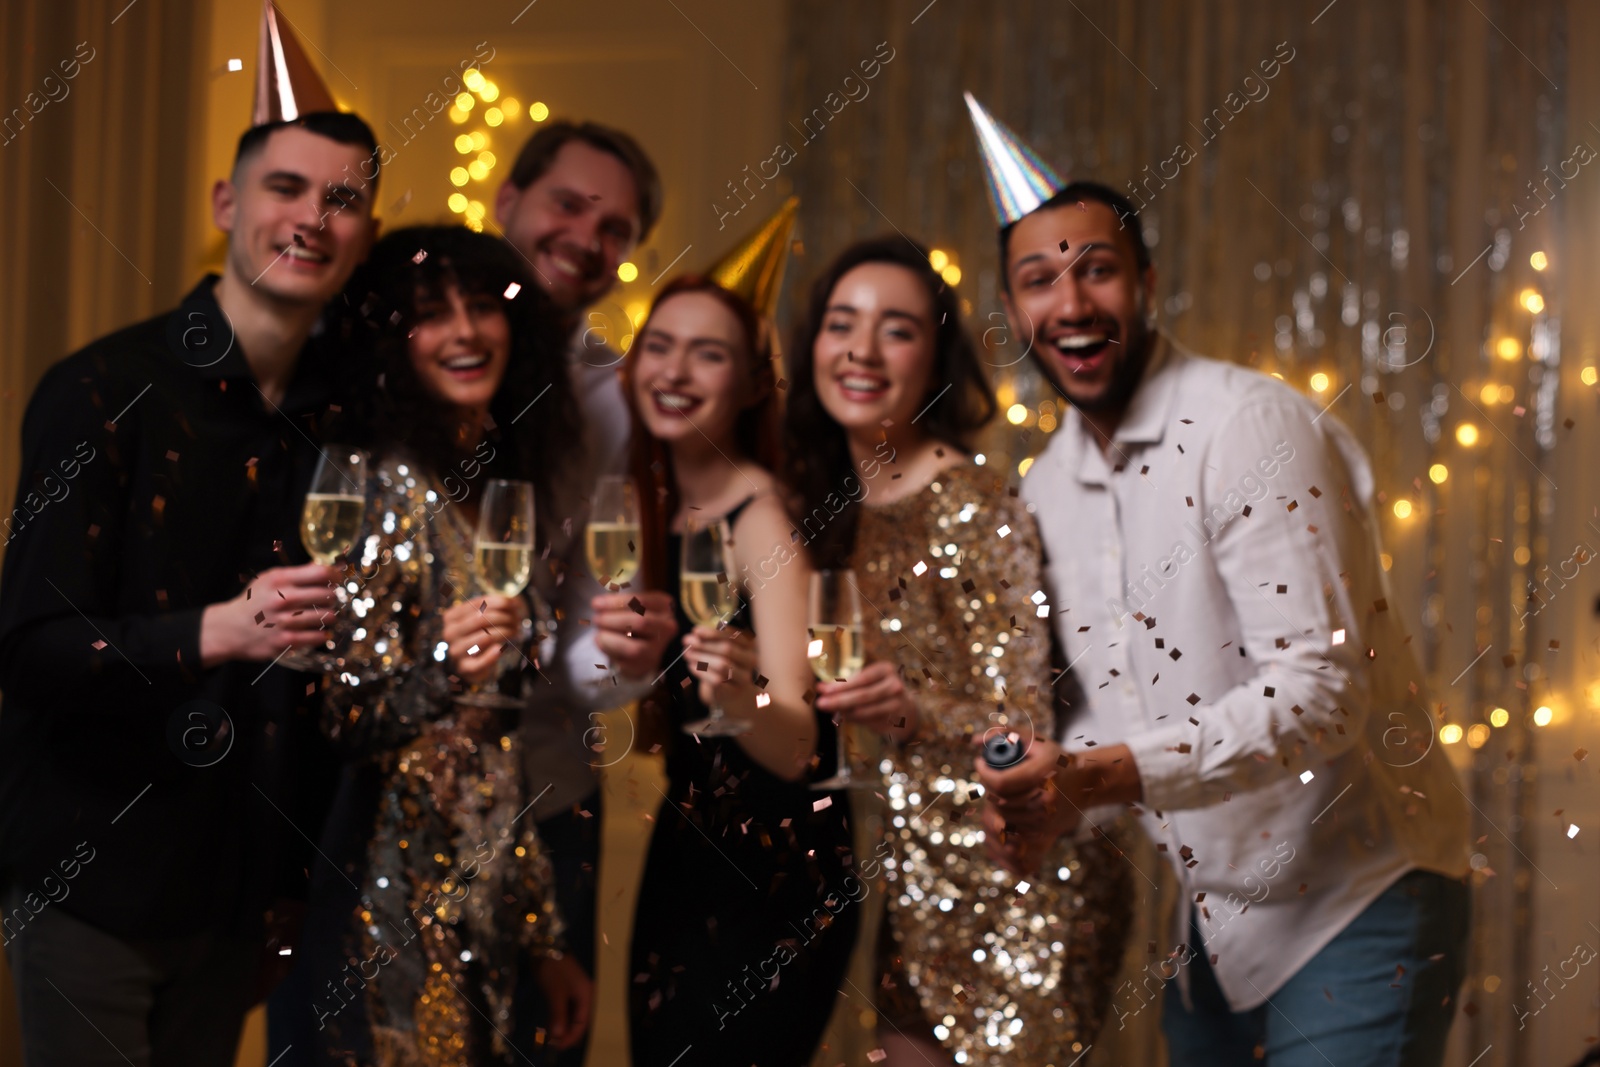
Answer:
[(1350, 195)]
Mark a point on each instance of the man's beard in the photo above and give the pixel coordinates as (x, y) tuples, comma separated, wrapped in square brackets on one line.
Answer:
[(1126, 373)]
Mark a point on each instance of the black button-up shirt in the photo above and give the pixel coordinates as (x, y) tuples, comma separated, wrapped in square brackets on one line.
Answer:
[(138, 791)]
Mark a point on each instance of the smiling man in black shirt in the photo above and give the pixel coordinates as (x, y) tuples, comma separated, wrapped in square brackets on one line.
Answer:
[(153, 577)]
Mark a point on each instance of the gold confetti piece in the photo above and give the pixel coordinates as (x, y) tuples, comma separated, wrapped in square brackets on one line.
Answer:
[(1292, 505), (1580, 754), (98, 646), (1315, 491), (822, 804), (1193, 698)]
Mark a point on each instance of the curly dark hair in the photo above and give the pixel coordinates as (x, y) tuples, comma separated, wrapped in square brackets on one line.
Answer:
[(392, 409), (815, 448)]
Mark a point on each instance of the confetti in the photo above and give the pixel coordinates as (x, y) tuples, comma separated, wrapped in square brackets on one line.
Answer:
[(512, 290), (636, 606), (762, 700), (1572, 830), (920, 569), (1023, 887), (1306, 777), (822, 804), (98, 646), (1338, 637), (1004, 531)]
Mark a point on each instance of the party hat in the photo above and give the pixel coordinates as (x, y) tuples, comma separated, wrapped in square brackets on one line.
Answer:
[(1018, 180), (754, 268), (287, 85)]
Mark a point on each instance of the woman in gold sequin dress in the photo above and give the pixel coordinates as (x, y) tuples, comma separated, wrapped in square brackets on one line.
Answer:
[(417, 963), (975, 967)]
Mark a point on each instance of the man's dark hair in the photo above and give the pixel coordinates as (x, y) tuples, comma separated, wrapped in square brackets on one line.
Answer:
[(1120, 205), (540, 152), (342, 126)]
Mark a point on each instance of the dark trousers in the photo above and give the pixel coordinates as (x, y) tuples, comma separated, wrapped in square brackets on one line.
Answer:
[(86, 998), (572, 841)]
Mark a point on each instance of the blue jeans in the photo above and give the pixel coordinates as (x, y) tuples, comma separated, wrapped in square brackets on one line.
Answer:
[(1349, 1006)]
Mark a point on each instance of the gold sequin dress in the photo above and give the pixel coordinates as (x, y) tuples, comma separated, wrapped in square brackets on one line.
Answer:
[(452, 884), (1000, 976)]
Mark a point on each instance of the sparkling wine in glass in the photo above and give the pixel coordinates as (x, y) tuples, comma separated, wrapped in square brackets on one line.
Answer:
[(502, 553), (708, 598), (833, 604), (611, 540), (330, 522)]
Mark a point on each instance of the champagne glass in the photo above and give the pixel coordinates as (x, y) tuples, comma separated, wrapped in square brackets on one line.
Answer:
[(502, 553), (330, 522), (833, 604), (708, 598), (611, 539)]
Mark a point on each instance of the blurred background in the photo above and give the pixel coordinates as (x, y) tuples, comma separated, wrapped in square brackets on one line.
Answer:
[(1391, 204)]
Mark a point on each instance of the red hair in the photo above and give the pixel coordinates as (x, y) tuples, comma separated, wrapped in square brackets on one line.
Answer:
[(756, 430)]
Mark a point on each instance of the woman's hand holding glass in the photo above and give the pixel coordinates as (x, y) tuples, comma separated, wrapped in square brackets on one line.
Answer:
[(476, 631), (875, 698), (724, 663)]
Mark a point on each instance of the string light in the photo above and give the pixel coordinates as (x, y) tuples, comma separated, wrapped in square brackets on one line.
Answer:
[(627, 271), (459, 176), (1530, 299), (1542, 715), (951, 275), (464, 102), (1588, 376), (1499, 717), (494, 116), (1320, 382), (1538, 261), (1016, 414), (1508, 348), (473, 78), (1489, 393), (1438, 473), (538, 112), (1467, 434), (1477, 735), (1450, 734), (1402, 508), (938, 259)]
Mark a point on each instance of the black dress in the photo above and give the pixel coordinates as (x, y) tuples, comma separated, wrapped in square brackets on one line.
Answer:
[(750, 901)]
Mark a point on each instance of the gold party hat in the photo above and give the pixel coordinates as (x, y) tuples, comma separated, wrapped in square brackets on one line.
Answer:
[(1017, 179), (754, 268), (287, 85)]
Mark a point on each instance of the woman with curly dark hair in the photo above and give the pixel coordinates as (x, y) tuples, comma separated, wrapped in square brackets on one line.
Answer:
[(886, 394), (437, 891)]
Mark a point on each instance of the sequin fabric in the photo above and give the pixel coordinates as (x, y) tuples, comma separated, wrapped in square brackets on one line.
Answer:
[(454, 886), (1003, 972)]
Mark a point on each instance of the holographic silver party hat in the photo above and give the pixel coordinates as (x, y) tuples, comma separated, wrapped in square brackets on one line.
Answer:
[(1017, 179)]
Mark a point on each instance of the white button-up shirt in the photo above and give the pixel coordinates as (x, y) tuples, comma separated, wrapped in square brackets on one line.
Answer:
[(1218, 591)]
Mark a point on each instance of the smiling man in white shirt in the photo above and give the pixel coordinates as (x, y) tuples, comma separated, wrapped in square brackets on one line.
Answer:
[(1247, 684)]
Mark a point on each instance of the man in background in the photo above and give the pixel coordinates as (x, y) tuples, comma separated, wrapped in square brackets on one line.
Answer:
[(580, 198)]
